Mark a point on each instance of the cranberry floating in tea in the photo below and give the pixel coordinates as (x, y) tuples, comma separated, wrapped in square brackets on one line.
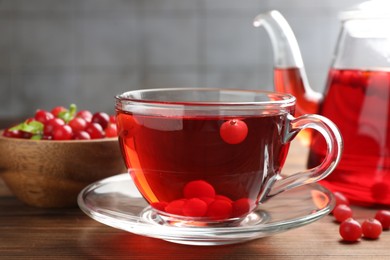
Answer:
[(356, 98)]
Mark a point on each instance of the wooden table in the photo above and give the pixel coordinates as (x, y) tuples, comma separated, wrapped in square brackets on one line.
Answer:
[(32, 233)]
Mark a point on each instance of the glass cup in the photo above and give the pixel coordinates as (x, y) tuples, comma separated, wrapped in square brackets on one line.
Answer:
[(209, 157)]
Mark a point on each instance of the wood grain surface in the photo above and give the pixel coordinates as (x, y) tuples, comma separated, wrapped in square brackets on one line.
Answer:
[(34, 233)]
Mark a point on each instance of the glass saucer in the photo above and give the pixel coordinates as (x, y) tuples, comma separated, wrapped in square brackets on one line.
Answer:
[(116, 202)]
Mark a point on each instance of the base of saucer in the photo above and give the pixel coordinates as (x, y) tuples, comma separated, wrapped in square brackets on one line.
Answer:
[(153, 216), (116, 202)]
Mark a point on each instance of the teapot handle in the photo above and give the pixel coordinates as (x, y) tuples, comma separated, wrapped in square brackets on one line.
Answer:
[(334, 143)]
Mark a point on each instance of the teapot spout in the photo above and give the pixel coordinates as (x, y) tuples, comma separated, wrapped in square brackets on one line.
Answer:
[(289, 72)]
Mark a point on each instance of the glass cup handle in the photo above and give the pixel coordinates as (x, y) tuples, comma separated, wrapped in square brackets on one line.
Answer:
[(334, 149)]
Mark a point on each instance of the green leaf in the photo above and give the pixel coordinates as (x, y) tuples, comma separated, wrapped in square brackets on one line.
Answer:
[(68, 114), (36, 137), (34, 127)]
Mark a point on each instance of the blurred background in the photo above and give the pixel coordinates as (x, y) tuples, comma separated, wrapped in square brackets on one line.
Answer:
[(57, 52)]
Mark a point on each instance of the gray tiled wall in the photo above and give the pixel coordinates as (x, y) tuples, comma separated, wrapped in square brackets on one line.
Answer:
[(57, 52)]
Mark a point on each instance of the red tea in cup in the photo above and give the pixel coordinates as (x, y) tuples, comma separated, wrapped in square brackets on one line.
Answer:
[(167, 154), (208, 154)]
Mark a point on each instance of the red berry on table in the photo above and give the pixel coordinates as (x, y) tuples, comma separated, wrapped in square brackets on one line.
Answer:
[(383, 216), (219, 210), (101, 118), (95, 131), (111, 130), (350, 230), (86, 114), (342, 212), (43, 116), (233, 131), (198, 189), (194, 208), (371, 228), (57, 110), (62, 132)]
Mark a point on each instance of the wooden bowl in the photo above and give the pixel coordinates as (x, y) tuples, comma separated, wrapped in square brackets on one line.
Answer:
[(50, 174)]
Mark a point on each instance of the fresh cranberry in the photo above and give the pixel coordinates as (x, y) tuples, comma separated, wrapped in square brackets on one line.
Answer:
[(222, 197), (342, 212), (51, 125), (159, 205), (233, 131), (198, 189), (57, 110), (242, 207), (29, 120), (111, 130), (208, 200), (113, 119), (383, 216), (25, 135), (78, 124), (12, 133), (86, 114), (101, 118), (350, 230), (43, 116), (62, 124), (17, 134), (219, 210), (81, 135), (194, 208), (371, 228), (62, 132), (95, 130), (47, 137), (175, 207)]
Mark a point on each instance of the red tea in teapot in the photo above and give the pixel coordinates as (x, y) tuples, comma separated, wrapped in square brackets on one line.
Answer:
[(358, 102), (357, 97), (289, 80)]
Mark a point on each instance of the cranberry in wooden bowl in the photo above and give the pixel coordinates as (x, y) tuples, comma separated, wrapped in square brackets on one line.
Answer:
[(43, 170)]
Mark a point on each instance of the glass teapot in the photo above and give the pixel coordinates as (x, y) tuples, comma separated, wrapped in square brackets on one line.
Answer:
[(356, 98)]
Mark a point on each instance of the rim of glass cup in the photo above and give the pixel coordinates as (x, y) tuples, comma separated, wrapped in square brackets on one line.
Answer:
[(259, 98)]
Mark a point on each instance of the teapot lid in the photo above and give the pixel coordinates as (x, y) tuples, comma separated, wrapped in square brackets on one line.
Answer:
[(368, 10)]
